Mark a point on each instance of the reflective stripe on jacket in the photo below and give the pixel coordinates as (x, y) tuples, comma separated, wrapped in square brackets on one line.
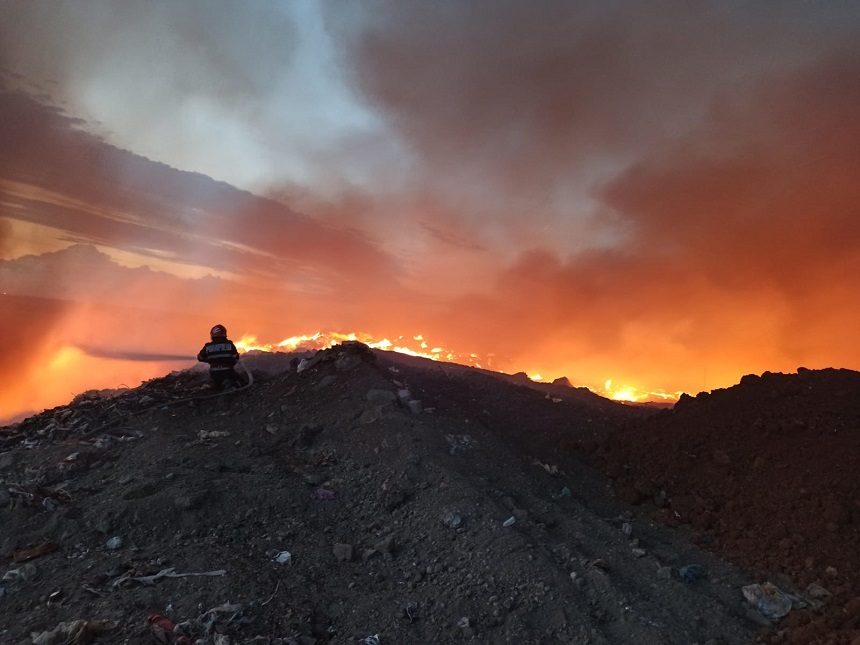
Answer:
[(219, 353)]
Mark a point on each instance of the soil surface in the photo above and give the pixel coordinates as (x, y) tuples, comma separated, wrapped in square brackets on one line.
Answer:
[(767, 473), (369, 494)]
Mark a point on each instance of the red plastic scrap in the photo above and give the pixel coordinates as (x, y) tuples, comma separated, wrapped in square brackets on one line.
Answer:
[(162, 627)]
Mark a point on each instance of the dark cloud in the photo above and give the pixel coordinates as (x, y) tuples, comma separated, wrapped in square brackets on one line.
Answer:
[(601, 189), (743, 249), (60, 176), (765, 192), (528, 98), (6, 242)]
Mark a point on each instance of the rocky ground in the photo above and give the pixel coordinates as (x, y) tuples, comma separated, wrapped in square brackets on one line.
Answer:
[(371, 497)]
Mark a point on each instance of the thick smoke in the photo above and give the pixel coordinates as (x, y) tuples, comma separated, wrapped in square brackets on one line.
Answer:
[(662, 194)]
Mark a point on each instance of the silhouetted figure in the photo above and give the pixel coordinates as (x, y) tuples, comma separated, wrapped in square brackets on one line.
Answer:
[(222, 356)]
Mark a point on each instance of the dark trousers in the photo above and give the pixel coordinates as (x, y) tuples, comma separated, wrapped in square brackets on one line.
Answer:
[(223, 375)]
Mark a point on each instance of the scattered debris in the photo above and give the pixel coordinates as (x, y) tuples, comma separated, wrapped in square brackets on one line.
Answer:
[(284, 557), (411, 611), (26, 573), (213, 434), (29, 554), (509, 522), (114, 543), (77, 632), (691, 572), (460, 443), (324, 494), (162, 628), (453, 520), (164, 573), (770, 601)]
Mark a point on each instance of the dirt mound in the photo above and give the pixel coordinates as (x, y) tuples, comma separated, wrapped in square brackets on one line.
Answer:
[(767, 474), (352, 497)]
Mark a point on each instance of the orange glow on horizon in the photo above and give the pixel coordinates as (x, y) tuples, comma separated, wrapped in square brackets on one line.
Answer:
[(631, 394), (405, 345), (324, 340), (66, 370)]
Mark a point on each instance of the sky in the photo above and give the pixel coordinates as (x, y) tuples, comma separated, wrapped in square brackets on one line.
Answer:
[(644, 197)]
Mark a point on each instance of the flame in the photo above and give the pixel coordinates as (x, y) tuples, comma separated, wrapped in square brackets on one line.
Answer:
[(417, 345), (626, 394), (630, 394), (414, 346)]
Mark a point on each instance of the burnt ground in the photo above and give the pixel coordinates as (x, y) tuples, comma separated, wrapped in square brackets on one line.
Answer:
[(427, 503)]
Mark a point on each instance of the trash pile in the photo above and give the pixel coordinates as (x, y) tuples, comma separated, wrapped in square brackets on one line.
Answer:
[(361, 500)]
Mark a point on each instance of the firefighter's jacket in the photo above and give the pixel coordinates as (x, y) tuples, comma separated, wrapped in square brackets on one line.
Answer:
[(220, 353)]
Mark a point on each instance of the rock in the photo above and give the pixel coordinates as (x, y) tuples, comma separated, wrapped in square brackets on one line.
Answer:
[(343, 552), (380, 396), (395, 498), (816, 592), (370, 415), (26, 573), (189, 501), (6, 498), (385, 545), (347, 362), (691, 572), (325, 381), (314, 479), (453, 520), (7, 460)]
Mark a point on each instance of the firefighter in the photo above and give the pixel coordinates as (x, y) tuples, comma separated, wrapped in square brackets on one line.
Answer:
[(222, 356)]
